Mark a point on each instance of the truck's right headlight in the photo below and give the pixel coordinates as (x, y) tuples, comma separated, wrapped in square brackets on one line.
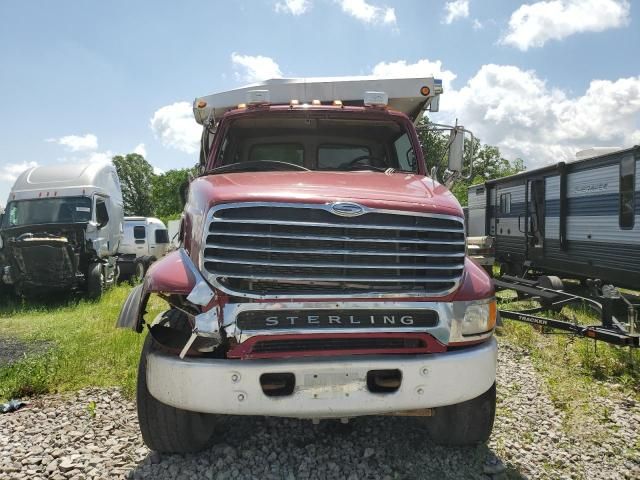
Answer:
[(479, 318), (473, 321)]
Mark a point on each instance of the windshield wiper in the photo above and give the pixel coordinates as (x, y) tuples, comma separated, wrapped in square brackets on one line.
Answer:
[(258, 166)]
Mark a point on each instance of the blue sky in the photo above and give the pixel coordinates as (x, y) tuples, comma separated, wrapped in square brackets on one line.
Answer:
[(86, 80)]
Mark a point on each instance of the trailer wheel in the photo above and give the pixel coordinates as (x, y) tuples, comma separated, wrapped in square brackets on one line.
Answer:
[(168, 429), (550, 281), (466, 423), (95, 281)]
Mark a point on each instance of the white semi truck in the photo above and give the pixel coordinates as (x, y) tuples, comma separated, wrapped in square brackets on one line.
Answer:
[(61, 229)]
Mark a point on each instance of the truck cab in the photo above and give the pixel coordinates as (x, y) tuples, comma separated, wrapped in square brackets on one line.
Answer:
[(322, 272), (144, 240), (61, 229)]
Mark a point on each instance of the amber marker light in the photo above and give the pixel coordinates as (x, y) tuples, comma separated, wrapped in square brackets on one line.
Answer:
[(337, 103), (425, 91), (493, 314), (201, 104), (315, 102)]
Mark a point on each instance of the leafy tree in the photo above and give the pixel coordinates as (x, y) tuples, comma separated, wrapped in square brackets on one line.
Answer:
[(136, 175), (488, 163), (165, 192)]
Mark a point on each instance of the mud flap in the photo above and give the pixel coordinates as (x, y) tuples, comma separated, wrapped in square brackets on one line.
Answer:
[(132, 312)]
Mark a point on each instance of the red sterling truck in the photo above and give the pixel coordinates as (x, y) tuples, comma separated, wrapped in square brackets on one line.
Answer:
[(322, 272)]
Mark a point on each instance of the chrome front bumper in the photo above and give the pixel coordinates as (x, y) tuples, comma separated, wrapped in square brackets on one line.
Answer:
[(325, 388)]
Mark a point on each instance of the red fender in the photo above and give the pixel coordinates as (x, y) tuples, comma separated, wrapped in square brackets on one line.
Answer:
[(172, 274)]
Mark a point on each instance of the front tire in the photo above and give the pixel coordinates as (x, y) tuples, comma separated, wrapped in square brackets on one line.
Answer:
[(95, 281), (167, 429), (464, 424)]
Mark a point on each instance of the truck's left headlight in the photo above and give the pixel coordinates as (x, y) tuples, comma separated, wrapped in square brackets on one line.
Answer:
[(479, 318)]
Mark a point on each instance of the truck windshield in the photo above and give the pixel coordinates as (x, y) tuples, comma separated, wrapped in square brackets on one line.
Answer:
[(48, 210), (316, 143)]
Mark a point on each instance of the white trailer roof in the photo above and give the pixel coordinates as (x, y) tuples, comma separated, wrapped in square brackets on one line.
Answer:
[(404, 94)]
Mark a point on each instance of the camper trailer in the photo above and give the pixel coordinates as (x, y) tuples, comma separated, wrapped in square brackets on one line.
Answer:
[(144, 240), (61, 229), (576, 220)]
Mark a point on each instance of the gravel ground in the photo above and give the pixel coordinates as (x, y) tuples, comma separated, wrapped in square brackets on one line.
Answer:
[(93, 434)]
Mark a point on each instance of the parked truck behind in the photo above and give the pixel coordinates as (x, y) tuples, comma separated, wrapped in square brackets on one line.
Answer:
[(144, 240), (322, 273), (61, 229)]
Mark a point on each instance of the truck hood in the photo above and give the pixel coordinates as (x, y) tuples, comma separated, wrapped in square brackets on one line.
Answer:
[(400, 191)]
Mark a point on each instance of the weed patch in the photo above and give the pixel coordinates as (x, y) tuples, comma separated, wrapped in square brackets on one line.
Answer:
[(83, 346)]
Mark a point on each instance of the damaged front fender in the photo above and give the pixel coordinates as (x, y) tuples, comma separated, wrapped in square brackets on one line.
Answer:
[(175, 274)]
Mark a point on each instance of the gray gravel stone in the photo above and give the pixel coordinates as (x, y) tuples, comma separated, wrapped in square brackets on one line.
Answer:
[(55, 437)]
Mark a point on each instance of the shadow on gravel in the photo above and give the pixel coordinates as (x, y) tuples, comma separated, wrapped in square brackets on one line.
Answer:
[(389, 448)]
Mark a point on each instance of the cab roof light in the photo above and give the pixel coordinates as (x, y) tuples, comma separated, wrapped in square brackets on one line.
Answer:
[(315, 102), (242, 106), (258, 97), (425, 91), (294, 103), (337, 103), (376, 99)]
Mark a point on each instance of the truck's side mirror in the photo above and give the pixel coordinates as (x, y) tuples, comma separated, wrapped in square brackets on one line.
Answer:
[(456, 149)]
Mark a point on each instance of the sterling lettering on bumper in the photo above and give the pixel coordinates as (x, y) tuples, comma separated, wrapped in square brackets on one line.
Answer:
[(293, 319)]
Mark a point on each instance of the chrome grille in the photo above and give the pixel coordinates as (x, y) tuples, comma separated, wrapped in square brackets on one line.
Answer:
[(263, 250)]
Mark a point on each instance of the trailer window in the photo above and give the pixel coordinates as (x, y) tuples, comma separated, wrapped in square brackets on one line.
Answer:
[(139, 232), (627, 191), (505, 203)]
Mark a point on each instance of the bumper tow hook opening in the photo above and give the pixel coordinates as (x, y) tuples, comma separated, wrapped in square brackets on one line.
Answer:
[(384, 381), (277, 384)]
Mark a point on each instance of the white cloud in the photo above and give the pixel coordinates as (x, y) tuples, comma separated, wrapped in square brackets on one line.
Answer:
[(77, 143), (254, 68), (456, 9), (477, 24), (532, 25), (10, 171), (367, 13), (517, 111), (175, 126), (140, 150), (294, 7), (422, 68)]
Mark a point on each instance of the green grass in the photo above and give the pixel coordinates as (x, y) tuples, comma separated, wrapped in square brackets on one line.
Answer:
[(79, 341), (577, 370)]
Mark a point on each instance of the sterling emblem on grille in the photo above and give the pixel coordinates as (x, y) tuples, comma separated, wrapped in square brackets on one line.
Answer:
[(345, 209)]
